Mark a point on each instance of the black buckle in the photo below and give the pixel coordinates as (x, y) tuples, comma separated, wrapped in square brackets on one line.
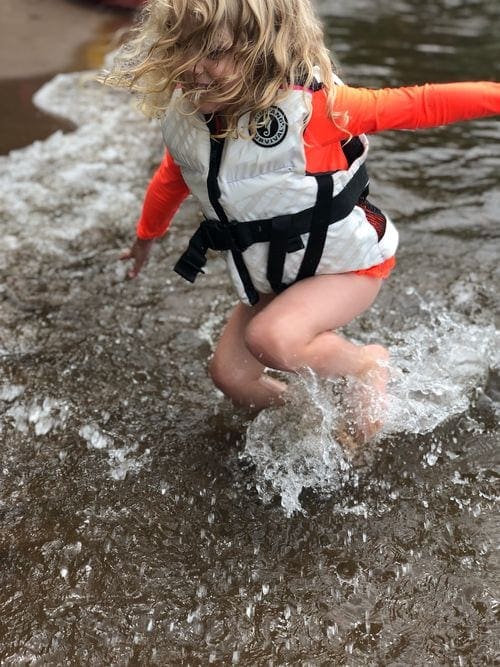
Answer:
[(192, 261)]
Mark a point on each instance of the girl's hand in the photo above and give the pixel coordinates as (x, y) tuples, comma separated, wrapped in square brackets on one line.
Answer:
[(139, 252)]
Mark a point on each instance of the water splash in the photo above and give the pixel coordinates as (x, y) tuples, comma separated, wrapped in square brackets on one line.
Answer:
[(294, 447), (120, 459), (435, 368)]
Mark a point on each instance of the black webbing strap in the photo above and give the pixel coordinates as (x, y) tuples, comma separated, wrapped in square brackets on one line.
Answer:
[(250, 291), (328, 210), (278, 244), (319, 228), (217, 237), (211, 234), (194, 258)]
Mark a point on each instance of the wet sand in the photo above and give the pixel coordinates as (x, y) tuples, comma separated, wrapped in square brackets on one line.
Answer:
[(37, 41)]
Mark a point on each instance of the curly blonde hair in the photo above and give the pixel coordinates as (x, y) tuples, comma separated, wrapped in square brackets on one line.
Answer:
[(275, 44)]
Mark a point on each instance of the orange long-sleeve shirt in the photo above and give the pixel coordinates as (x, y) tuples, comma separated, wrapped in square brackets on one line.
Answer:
[(361, 111)]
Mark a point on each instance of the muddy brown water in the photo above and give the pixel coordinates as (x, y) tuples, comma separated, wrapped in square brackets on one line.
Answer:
[(143, 521)]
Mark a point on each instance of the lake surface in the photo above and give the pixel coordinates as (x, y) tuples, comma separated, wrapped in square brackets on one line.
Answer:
[(144, 521)]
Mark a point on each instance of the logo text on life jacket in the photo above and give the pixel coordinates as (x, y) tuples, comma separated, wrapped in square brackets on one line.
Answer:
[(274, 130)]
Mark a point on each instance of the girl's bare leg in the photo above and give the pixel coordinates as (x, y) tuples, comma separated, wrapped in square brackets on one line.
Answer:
[(235, 370), (295, 331)]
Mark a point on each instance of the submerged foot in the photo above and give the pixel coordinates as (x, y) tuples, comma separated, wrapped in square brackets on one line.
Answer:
[(365, 402)]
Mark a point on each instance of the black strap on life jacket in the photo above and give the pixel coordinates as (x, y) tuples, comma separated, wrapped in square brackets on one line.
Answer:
[(216, 149), (283, 233), (322, 220), (211, 234)]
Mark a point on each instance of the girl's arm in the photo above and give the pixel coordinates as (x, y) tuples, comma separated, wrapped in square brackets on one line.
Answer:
[(416, 107), (365, 111), (166, 192)]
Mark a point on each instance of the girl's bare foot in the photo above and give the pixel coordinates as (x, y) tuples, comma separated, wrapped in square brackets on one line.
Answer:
[(365, 401)]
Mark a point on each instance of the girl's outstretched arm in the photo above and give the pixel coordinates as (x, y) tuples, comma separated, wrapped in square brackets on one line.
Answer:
[(365, 111), (417, 107)]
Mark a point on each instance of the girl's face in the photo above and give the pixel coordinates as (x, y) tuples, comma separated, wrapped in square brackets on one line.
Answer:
[(215, 69)]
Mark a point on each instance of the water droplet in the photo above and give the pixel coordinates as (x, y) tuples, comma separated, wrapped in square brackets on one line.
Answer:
[(331, 631), (431, 458)]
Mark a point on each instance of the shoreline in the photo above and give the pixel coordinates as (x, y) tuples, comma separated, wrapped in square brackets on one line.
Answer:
[(36, 44)]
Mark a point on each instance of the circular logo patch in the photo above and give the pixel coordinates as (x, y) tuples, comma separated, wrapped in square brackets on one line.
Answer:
[(275, 129)]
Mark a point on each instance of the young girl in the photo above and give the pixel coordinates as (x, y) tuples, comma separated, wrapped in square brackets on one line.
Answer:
[(261, 131)]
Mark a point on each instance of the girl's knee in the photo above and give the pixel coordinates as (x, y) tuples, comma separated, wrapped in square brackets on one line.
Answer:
[(270, 344), (230, 381), (218, 372)]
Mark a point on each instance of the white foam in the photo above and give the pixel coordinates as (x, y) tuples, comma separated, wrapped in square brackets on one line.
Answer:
[(9, 392), (94, 438), (54, 190), (41, 415)]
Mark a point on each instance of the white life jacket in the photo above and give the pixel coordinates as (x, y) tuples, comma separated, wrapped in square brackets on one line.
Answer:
[(261, 184)]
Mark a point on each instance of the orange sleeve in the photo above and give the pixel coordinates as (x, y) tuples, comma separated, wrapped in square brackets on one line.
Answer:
[(166, 192), (366, 111), (416, 107)]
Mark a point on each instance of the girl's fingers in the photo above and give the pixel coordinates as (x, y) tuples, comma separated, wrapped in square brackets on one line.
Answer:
[(139, 253), (134, 270)]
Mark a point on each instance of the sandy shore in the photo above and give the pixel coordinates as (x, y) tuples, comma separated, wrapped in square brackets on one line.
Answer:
[(38, 38)]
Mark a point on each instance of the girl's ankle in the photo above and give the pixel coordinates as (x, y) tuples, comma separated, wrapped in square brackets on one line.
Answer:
[(375, 358)]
